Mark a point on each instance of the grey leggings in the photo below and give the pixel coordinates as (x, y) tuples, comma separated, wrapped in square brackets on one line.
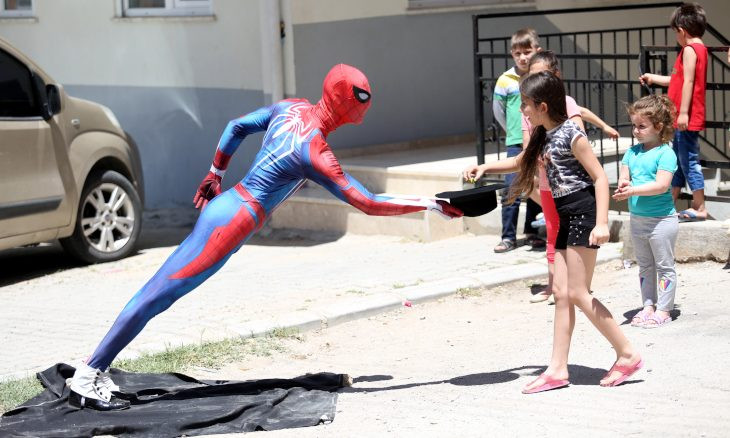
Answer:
[(654, 239)]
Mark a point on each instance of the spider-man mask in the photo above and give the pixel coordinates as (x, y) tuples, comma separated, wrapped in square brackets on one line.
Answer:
[(345, 95)]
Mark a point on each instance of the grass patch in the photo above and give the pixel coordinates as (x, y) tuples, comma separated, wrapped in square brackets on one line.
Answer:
[(207, 354), (172, 360), (401, 285), (15, 392), (283, 333), (466, 292)]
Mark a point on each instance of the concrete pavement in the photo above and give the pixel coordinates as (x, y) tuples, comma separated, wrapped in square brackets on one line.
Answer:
[(53, 311)]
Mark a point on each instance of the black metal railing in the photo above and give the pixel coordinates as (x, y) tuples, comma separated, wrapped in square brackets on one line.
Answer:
[(600, 69), (717, 101)]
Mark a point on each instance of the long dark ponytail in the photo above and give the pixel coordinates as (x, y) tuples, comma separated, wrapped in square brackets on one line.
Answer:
[(542, 87)]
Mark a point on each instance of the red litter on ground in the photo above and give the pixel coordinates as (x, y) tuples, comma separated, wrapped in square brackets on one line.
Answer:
[(407, 303)]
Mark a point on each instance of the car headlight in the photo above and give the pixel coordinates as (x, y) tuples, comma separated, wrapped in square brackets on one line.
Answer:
[(112, 118)]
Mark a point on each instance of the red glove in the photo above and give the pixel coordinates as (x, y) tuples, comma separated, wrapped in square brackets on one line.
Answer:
[(209, 189), (211, 185), (449, 210)]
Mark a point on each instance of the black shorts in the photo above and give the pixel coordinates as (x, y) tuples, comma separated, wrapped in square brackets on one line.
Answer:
[(577, 212)]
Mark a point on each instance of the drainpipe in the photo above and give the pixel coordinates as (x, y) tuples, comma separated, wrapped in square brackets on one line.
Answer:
[(272, 65)]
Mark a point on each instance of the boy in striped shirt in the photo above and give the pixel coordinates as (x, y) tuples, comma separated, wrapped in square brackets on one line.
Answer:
[(506, 107)]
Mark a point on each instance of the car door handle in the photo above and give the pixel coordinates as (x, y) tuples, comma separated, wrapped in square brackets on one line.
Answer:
[(76, 123)]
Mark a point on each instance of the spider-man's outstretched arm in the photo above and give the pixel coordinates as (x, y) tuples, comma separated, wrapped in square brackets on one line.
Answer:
[(322, 167), (232, 137)]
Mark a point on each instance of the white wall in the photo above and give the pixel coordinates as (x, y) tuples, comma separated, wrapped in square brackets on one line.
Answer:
[(322, 11), (101, 49)]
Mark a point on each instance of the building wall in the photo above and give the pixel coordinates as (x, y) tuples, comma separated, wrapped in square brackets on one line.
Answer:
[(175, 82)]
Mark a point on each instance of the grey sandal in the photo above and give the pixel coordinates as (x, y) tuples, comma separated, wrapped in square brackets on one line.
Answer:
[(505, 245)]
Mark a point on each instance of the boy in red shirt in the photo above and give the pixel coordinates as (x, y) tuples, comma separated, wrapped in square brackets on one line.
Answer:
[(687, 92)]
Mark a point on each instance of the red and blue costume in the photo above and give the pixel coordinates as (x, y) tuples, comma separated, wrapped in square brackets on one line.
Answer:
[(294, 150)]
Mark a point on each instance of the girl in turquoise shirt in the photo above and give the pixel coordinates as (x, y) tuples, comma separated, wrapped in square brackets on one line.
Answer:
[(645, 179)]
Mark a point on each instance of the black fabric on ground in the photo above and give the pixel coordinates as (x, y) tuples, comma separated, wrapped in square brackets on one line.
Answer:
[(170, 405)]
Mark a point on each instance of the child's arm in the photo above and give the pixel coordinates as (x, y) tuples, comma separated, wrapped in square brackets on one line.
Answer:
[(661, 185), (590, 117), (584, 153), (579, 121), (508, 165), (499, 108), (689, 59), (651, 78), (624, 177)]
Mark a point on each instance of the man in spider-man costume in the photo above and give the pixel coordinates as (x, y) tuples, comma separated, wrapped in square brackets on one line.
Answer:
[(294, 150)]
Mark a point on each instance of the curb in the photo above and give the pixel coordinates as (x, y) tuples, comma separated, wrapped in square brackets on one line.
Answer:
[(354, 308)]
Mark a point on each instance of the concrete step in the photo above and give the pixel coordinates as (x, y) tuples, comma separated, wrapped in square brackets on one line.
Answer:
[(423, 182), (423, 172), (705, 240), (314, 209)]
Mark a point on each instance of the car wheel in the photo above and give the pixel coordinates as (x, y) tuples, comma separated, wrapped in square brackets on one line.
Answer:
[(109, 219)]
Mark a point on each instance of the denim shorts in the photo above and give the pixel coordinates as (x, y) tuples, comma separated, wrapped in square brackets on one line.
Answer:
[(577, 212)]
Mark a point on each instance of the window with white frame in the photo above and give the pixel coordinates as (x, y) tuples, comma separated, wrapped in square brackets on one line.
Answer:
[(16, 8), (142, 8), (426, 4)]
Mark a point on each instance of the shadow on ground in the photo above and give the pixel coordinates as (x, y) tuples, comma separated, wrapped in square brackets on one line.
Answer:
[(579, 375)]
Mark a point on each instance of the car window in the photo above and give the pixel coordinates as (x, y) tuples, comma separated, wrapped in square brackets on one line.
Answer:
[(17, 98)]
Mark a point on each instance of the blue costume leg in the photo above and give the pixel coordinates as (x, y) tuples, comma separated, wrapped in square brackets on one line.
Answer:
[(223, 226)]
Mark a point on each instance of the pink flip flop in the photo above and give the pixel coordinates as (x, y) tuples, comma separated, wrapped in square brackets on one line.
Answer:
[(641, 317), (655, 321), (625, 370), (549, 384)]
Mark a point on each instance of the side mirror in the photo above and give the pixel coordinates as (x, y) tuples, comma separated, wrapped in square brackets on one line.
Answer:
[(54, 99), (49, 97)]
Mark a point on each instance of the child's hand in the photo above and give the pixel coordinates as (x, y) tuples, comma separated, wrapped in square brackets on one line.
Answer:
[(473, 173), (599, 235), (610, 132), (623, 193), (682, 122), (646, 78), (623, 183)]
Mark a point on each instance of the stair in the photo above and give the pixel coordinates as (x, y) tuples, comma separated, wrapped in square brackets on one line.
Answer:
[(422, 172), (315, 209)]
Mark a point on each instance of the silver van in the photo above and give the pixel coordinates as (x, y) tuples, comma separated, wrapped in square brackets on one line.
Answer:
[(68, 170)]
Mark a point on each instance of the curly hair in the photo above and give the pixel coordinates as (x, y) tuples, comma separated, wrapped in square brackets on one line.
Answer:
[(659, 110)]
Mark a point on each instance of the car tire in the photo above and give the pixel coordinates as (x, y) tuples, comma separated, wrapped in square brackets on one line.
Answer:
[(108, 221)]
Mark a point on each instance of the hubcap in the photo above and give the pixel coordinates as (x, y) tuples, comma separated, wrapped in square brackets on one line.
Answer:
[(107, 218)]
